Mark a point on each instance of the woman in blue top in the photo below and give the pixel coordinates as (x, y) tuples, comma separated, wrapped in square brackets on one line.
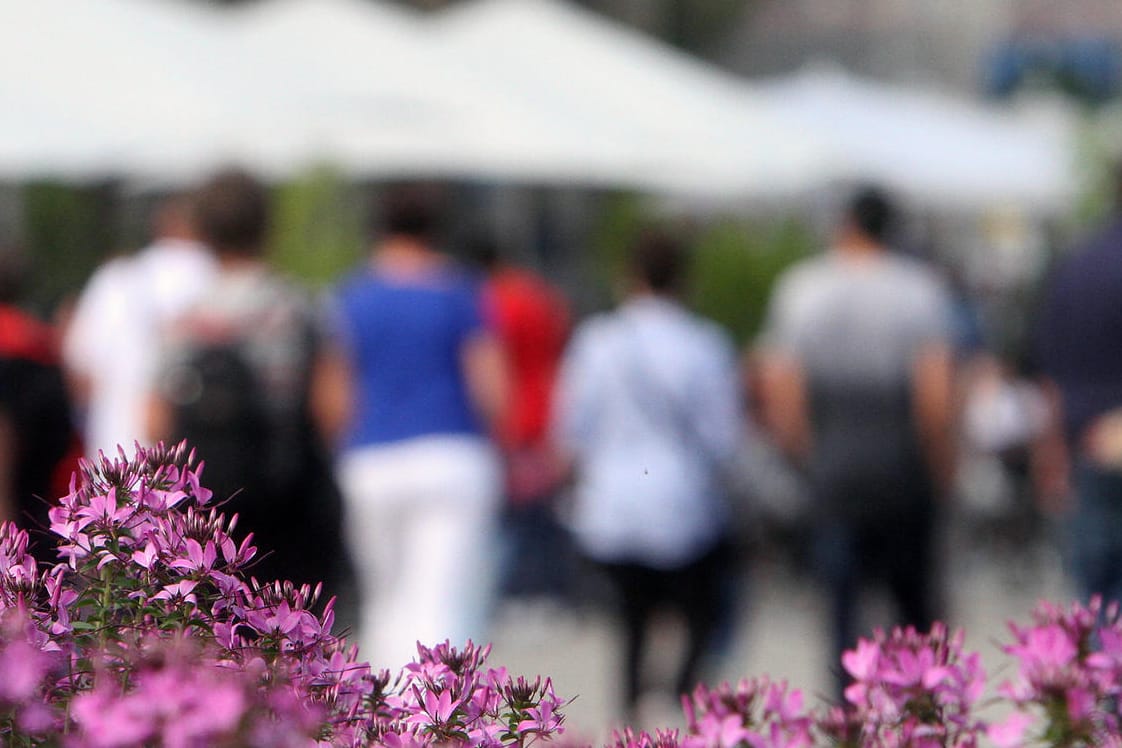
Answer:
[(417, 385)]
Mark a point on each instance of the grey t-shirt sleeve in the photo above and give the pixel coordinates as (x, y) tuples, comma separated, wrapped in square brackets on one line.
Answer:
[(784, 327), (932, 316)]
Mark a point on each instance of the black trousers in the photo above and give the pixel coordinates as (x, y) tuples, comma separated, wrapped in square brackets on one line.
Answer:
[(896, 551), (697, 592)]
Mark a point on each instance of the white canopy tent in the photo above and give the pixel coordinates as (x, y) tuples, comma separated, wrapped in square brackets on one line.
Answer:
[(37, 140), (939, 150), (534, 90), (696, 128), (128, 87), (371, 92)]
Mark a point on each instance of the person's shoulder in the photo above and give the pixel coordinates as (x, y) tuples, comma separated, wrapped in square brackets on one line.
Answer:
[(1105, 238), (914, 272), (457, 278), (596, 330), (708, 339), (358, 280), (283, 286), (919, 287), (175, 257), (287, 294), (178, 250), (111, 274), (806, 274), (110, 282), (516, 284), (597, 324), (1094, 253)]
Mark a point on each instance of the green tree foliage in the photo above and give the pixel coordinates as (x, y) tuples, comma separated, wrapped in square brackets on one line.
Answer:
[(734, 261), (317, 227), (67, 231), (622, 217), (694, 25), (735, 264)]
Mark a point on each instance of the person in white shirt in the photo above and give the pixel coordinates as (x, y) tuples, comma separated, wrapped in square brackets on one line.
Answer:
[(110, 345), (648, 408)]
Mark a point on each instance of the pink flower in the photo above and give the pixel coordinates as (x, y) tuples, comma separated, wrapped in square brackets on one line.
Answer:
[(722, 732), (178, 592), (23, 667), (1010, 732), (1045, 647), (541, 719), (197, 557), (109, 724), (862, 663), (147, 557)]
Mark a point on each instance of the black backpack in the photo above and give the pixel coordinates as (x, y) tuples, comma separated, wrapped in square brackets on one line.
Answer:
[(262, 458), (218, 406)]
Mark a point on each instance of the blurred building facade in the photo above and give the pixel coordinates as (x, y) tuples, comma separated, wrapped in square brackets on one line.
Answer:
[(955, 43)]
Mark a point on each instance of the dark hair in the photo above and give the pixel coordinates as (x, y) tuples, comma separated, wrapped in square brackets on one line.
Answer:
[(484, 251), (232, 212), (13, 273), (871, 211), (414, 210), (658, 259)]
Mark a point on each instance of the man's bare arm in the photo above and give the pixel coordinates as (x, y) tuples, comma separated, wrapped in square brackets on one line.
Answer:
[(933, 399), (785, 409)]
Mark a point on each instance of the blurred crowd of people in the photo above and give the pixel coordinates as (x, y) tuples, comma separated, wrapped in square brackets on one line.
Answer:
[(438, 432)]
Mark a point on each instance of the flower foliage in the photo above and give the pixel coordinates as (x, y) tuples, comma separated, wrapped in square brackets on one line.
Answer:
[(1069, 678), (151, 630), (910, 689)]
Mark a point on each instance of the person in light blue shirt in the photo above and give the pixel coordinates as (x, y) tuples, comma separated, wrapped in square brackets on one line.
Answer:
[(649, 409), (419, 384)]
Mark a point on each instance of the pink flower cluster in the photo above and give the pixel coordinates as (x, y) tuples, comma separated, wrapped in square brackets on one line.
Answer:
[(758, 713), (446, 697), (150, 632), (910, 689), (755, 713), (1069, 677)]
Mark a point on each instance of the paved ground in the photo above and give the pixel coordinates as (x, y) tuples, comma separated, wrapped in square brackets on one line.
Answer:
[(782, 632)]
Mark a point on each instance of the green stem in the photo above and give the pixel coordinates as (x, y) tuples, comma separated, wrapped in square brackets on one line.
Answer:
[(104, 617)]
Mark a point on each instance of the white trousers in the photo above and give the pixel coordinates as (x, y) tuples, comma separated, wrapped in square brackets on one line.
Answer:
[(421, 524)]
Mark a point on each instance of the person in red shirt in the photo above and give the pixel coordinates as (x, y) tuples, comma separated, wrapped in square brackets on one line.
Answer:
[(531, 319), (38, 445)]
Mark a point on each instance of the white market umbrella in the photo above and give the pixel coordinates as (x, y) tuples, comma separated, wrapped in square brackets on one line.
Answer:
[(696, 128), (134, 88), (376, 97), (938, 149)]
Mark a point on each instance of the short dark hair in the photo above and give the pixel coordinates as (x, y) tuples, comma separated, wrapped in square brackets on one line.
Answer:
[(483, 250), (872, 212), (414, 209), (658, 259), (232, 212), (13, 273)]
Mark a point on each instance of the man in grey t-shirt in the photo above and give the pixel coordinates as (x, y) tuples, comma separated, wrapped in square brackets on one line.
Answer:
[(857, 383)]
